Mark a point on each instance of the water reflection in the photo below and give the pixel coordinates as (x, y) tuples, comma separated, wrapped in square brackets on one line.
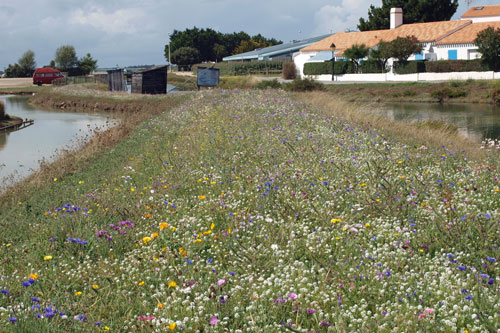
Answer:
[(476, 121), (21, 151)]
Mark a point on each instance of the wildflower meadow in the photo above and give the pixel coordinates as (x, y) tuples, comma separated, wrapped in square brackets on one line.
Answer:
[(248, 211)]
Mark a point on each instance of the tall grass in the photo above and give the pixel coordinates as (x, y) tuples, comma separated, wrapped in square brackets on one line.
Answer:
[(250, 211)]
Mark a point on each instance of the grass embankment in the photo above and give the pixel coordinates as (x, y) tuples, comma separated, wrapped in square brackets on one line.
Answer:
[(130, 109), (249, 210), (469, 91)]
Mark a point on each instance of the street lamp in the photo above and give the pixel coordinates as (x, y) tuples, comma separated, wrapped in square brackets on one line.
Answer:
[(332, 47)]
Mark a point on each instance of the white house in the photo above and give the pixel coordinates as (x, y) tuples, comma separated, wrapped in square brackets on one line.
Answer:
[(443, 40)]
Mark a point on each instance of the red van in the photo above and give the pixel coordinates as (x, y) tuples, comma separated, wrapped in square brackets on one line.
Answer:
[(46, 75)]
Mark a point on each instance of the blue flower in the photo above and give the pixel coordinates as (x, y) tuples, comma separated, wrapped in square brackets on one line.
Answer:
[(490, 259), (462, 268), (468, 297), (12, 319), (26, 284), (34, 299), (388, 273), (4, 291), (491, 281)]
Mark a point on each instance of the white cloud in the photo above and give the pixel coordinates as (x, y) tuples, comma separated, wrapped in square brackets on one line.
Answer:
[(120, 21), (335, 18)]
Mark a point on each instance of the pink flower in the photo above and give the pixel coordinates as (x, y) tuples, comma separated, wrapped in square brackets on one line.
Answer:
[(221, 282), (292, 295), (422, 315), (429, 310), (214, 321)]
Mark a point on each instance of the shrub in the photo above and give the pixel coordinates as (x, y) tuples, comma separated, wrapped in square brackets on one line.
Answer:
[(403, 47), (318, 68), (409, 93), (186, 56), (488, 44), (289, 70), (495, 96), (2, 110), (444, 66), (265, 84), (356, 52), (304, 85), (446, 93), (409, 67), (371, 66)]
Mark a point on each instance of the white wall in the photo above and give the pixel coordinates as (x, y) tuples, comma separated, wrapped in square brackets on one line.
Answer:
[(463, 52), (300, 58), (483, 19), (390, 77)]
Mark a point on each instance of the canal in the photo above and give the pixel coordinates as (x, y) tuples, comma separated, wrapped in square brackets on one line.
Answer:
[(474, 121), (22, 151)]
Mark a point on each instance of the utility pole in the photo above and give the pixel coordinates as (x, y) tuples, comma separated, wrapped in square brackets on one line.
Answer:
[(169, 61)]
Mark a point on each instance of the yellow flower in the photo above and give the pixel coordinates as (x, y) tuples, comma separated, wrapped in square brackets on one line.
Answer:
[(132, 189), (201, 197), (208, 232), (106, 328), (197, 241), (47, 258), (400, 162), (172, 326), (172, 284), (95, 286), (33, 276), (229, 230), (163, 226), (367, 225), (146, 240), (81, 182), (78, 293), (9, 245), (212, 226), (155, 235), (335, 220), (362, 185), (141, 283), (161, 305), (55, 179)]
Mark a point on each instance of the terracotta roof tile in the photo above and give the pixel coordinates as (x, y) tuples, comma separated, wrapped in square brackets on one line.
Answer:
[(425, 32), (485, 11), (468, 34)]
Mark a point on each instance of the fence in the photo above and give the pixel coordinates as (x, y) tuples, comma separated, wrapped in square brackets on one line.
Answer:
[(78, 80)]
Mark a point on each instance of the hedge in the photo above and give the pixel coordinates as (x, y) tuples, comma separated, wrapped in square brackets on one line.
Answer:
[(319, 68), (243, 68), (341, 67), (409, 67), (442, 66)]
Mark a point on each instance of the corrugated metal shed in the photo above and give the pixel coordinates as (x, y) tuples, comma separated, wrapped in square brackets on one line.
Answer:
[(276, 51)]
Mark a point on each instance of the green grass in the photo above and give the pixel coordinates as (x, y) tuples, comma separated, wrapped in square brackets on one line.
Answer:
[(249, 210)]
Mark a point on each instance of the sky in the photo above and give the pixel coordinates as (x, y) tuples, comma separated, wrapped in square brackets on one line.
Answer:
[(133, 32)]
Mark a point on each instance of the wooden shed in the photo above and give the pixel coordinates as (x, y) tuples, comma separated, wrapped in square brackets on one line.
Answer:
[(150, 81), (116, 80)]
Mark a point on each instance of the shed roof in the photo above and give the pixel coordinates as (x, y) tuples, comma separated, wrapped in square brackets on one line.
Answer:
[(424, 32), (151, 69), (468, 33), (275, 49), (480, 11)]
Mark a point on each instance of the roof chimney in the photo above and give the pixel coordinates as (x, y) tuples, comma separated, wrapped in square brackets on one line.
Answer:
[(396, 17)]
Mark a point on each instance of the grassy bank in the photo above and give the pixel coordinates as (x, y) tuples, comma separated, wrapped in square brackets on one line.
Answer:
[(249, 210)]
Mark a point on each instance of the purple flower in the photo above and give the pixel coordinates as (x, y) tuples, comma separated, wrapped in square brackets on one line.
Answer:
[(292, 295), (26, 284), (97, 323), (491, 281), (324, 323), (462, 268), (214, 321), (310, 311), (221, 282), (34, 299), (468, 297), (12, 319), (490, 259), (387, 273)]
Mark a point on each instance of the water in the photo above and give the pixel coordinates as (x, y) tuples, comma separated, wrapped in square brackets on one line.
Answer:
[(21, 151), (475, 121), (170, 88)]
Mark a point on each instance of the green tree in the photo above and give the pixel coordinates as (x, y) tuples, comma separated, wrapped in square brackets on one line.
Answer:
[(186, 56), (414, 11), (27, 63), (87, 64), (403, 47), (488, 43), (13, 71), (382, 53), (220, 52), (355, 53), (66, 58)]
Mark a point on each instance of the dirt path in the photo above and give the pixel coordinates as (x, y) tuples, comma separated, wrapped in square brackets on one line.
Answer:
[(16, 82)]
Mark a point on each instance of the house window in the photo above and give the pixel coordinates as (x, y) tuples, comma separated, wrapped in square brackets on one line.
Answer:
[(452, 55), (419, 56)]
